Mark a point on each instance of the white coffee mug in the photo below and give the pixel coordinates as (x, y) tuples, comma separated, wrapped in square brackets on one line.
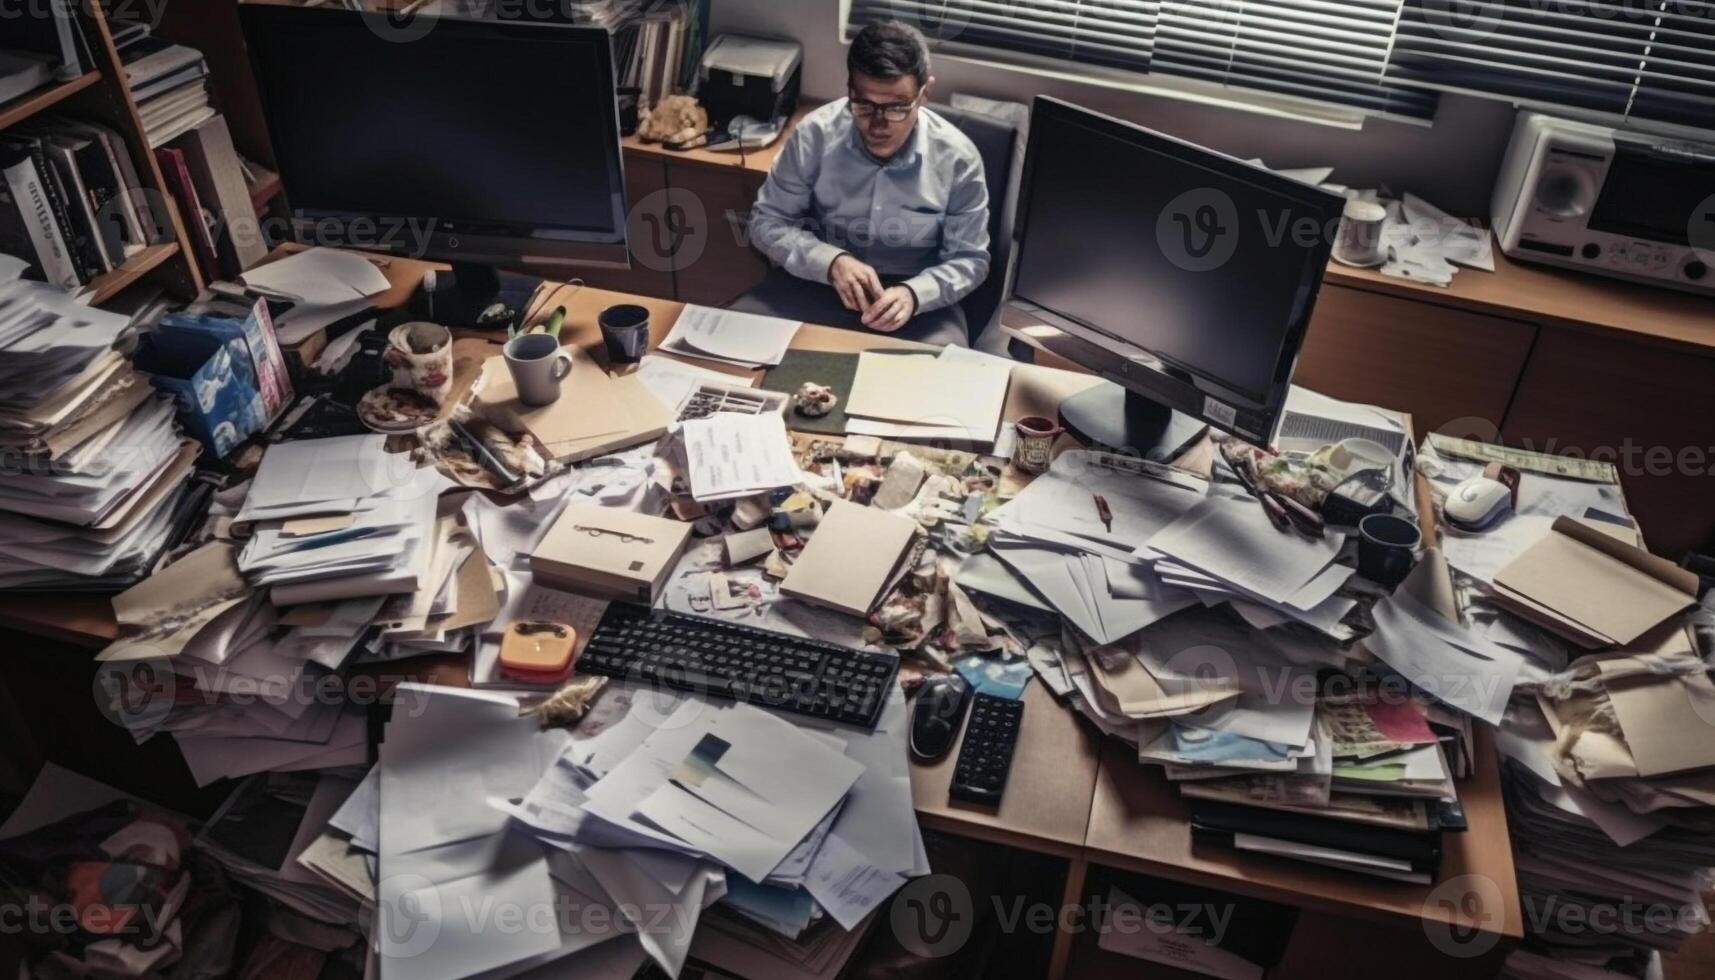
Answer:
[(1359, 241), (538, 364)]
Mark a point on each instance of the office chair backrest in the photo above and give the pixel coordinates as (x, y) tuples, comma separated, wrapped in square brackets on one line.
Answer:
[(995, 141)]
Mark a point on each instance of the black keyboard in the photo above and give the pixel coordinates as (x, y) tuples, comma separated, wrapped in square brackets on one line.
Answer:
[(767, 669)]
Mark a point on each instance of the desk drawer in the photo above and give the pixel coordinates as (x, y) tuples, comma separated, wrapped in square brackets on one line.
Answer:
[(1440, 364)]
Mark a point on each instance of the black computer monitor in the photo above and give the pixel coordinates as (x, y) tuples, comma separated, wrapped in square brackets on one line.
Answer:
[(1184, 276), (481, 143)]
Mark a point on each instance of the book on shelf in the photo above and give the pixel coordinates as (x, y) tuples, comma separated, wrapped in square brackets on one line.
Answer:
[(177, 174), (52, 28), (28, 227), (92, 190), (220, 186), (22, 72)]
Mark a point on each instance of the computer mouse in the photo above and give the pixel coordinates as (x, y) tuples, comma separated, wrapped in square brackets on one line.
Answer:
[(1477, 503), (936, 716)]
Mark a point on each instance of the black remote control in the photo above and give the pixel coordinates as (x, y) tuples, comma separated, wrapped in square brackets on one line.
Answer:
[(990, 735)]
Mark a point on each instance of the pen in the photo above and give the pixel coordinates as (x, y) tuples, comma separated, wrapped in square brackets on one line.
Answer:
[(1104, 513)]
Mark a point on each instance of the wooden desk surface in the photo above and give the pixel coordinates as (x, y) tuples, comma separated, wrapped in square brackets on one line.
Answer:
[(1558, 297), (1070, 792)]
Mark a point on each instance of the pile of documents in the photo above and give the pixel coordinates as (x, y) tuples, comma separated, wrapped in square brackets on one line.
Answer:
[(653, 811), (96, 467), (1271, 762), (1053, 542), (956, 396), (745, 339), (728, 455), (340, 518), (324, 286), (1610, 807), (1114, 544), (201, 657), (1599, 702), (1227, 549)]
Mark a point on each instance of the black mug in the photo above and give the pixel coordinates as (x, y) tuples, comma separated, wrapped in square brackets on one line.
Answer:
[(1387, 547), (625, 331)]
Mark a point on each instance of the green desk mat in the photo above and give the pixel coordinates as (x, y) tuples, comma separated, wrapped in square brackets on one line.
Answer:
[(836, 371)]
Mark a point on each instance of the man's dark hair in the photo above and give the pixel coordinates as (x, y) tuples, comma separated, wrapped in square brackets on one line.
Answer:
[(890, 49)]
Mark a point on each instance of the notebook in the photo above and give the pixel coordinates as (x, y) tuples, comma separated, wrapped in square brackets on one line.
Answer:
[(852, 556)]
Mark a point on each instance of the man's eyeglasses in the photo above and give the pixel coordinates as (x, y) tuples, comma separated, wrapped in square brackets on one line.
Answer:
[(893, 112)]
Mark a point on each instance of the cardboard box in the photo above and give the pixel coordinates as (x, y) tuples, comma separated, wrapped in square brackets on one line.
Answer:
[(609, 554), (1592, 588)]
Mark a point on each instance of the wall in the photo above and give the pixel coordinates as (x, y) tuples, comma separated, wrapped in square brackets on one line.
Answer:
[(1452, 163)]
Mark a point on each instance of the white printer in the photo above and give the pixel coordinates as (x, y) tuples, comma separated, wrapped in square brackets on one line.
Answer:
[(753, 79)]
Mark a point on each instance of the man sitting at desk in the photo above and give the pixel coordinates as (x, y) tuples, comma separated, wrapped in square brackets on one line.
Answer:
[(876, 210)]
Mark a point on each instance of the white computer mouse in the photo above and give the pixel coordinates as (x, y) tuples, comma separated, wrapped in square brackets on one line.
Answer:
[(1477, 503)]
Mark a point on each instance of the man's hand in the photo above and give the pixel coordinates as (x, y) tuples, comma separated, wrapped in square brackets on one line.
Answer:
[(893, 310), (859, 285)]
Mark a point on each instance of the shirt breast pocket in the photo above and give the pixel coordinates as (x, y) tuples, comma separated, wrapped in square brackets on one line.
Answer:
[(921, 225)]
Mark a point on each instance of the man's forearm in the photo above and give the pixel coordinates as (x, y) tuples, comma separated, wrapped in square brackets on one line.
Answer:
[(940, 286), (793, 247)]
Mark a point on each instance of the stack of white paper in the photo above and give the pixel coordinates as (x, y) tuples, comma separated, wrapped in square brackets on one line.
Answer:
[(96, 463), (251, 705), (1226, 549), (733, 338), (810, 821), (340, 519), (1052, 542), (957, 396), (728, 455), (450, 761)]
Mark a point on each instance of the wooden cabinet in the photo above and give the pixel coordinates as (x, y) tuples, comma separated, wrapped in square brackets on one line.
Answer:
[(724, 267), (647, 216), (1642, 400), (688, 229), (1451, 369), (1648, 409)]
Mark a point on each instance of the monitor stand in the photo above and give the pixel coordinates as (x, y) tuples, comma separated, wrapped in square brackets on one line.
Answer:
[(475, 288), (1117, 419)]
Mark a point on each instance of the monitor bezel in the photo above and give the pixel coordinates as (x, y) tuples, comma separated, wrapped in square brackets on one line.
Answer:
[(464, 240), (1250, 415)]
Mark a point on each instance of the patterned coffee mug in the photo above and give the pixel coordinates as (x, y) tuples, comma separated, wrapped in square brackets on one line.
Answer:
[(1035, 449), (421, 356)]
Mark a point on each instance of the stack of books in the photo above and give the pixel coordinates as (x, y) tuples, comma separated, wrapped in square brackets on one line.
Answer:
[(191, 141), (167, 80), (71, 203), (97, 474)]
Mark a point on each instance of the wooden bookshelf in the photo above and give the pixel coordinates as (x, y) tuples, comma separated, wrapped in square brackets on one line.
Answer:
[(134, 269), (102, 95), (25, 106)]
